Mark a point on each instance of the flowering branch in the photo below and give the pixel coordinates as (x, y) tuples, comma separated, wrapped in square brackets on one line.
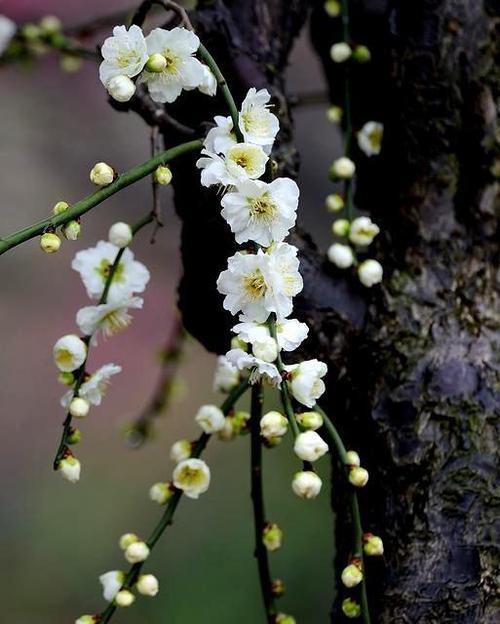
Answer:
[(80, 208)]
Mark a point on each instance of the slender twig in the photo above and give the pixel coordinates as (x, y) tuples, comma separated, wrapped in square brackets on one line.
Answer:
[(155, 149), (355, 512), (258, 503), (140, 430), (91, 201), (167, 518), (348, 184), (81, 373)]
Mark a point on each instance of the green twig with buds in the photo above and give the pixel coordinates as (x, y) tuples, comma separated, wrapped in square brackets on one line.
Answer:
[(167, 518), (91, 201), (62, 449)]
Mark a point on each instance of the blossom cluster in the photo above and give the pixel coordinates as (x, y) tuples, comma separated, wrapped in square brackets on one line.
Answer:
[(112, 278), (164, 61)]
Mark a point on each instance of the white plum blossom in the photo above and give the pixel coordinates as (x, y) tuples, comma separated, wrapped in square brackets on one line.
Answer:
[(124, 54), (259, 368), (370, 272), (210, 418), (120, 234), (242, 161), (363, 231), (108, 318), (261, 212), (7, 31), (220, 138), (273, 425), (102, 174), (265, 349), (94, 389), (121, 88), (70, 469), (70, 352), (310, 446), (226, 375), (370, 138), (192, 476), (180, 450), (306, 484), (182, 70), (147, 585), (305, 381), (290, 333), (208, 84), (111, 583), (257, 284), (94, 265), (136, 552), (340, 255), (257, 124)]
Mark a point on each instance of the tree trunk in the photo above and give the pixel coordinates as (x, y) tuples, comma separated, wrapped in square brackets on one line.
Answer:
[(411, 363)]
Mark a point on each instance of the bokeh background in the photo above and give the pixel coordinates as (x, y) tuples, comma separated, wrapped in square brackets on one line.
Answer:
[(57, 538)]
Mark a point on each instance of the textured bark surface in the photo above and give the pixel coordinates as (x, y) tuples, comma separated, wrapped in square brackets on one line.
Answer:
[(412, 364)]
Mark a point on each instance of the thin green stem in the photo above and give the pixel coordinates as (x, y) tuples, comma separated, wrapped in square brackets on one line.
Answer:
[(80, 374), (257, 495), (167, 518), (355, 512), (86, 204), (348, 184)]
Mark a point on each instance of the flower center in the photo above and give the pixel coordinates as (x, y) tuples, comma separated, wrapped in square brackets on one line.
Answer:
[(262, 208), (191, 476), (375, 138), (172, 62), (256, 121), (255, 285), (64, 358), (125, 59), (115, 322), (104, 270)]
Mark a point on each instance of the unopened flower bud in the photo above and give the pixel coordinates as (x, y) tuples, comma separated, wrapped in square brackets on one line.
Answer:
[(272, 442), (363, 231), (342, 169), (60, 207), (121, 88), (334, 114), (283, 618), (50, 242), (180, 450), (340, 52), (136, 552), (163, 175), (341, 227), (124, 598), (373, 545), (278, 588), (70, 63), (50, 24), (74, 436), (309, 446), (370, 272), (210, 418), (72, 230), (309, 420), (272, 537), (332, 7), (79, 408), (102, 174), (358, 476), (120, 234), (156, 63), (69, 353), (350, 608), (334, 202), (265, 349), (340, 255), (148, 585), (273, 425), (361, 54), (126, 539), (70, 468), (67, 379), (352, 459), (31, 32), (87, 619), (306, 484), (351, 575), (161, 493)]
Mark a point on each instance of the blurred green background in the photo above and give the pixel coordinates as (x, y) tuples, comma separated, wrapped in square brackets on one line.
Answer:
[(58, 538)]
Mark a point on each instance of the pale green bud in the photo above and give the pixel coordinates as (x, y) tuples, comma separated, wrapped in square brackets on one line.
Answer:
[(358, 476), (352, 459), (373, 545), (68, 379), (126, 539), (124, 598), (332, 7), (163, 175), (351, 575), (50, 242), (309, 420), (351, 608), (60, 207), (156, 63), (74, 436), (278, 588), (102, 174), (50, 24), (334, 202), (334, 114), (71, 230), (341, 227), (79, 408), (272, 537), (283, 618), (361, 54)]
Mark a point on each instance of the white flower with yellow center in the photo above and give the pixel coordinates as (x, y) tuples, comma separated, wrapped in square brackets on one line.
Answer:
[(257, 124), (69, 353), (124, 54), (192, 476), (226, 375), (108, 318), (94, 265), (7, 31), (94, 389), (181, 69), (363, 231), (242, 161), (285, 278), (111, 583), (370, 138), (305, 381), (221, 137), (290, 333), (261, 212), (260, 370)]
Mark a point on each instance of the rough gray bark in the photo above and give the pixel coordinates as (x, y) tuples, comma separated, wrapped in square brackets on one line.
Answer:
[(412, 364)]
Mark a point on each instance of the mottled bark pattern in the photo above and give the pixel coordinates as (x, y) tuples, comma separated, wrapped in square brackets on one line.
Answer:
[(412, 363)]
